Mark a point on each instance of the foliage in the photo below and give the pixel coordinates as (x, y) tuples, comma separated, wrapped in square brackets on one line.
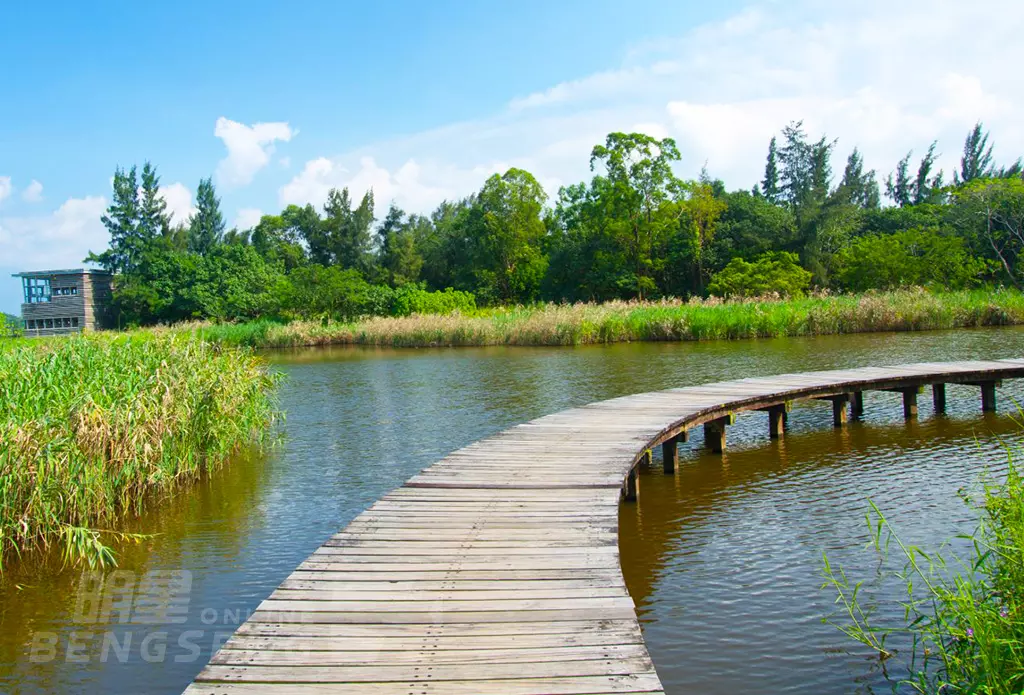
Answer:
[(908, 258), (10, 326), (776, 272), (635, 230), (90, 424)]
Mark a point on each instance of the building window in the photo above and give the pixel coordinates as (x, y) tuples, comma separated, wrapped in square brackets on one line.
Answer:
[(49, 323), (65, 291), (74, 322), (67, 323), (37, 290), (31, 324)]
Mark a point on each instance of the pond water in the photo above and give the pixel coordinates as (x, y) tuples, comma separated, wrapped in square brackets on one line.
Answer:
[(723, 559)]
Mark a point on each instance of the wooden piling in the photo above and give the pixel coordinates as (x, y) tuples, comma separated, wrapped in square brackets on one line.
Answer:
[(670, 454), (857, 404), (631, 488), (988, 396), (839, 409), (939, 398), (777, 422), (910, 403)]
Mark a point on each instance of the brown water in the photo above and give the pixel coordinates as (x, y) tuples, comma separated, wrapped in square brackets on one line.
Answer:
[(723, 559)]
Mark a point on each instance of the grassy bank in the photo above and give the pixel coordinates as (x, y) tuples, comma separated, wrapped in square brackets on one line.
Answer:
[(90, 424), (581, 324)]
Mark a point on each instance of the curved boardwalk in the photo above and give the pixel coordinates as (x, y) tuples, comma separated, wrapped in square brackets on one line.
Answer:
[(496, 570)]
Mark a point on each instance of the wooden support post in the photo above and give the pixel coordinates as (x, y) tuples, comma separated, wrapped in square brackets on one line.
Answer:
[(839, 409), (857, 404), (988, 396), (631, 488), (910, 403), (670, 454), (714, 433), (939, 398), (777, 422)]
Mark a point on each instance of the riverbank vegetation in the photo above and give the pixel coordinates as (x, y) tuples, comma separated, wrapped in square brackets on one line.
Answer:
[(620, 321), (963, 626), (91, 424), (634, 232)]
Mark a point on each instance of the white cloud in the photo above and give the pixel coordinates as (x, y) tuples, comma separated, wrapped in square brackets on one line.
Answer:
[(5, 188), (247, 218), (179, 202), (878, 75), (33, 193), (59, 239), (249, 148)]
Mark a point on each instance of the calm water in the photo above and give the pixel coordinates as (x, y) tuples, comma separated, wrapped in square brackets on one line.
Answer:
[(723, 559)]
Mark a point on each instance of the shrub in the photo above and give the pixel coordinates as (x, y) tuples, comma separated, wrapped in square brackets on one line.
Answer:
[(774, 272), (907, 258)]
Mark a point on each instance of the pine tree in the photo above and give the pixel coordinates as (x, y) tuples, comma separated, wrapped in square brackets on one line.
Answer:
[(153, 218), (770, 184), (206, 226), (857, 187), (925, 189), (977, 159), (121, 221), (898, 185)]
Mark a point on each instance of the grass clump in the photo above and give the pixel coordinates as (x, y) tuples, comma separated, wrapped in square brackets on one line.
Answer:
[(963, 617), (90, 424), (666, 320)]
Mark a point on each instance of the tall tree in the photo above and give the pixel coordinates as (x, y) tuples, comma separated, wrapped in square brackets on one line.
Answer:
[(898, 185), (976, 162), (639, 170), (347, 232), (510, 261), (206, 226), (398, 259), (122, 222), (927, 188), (153, 218), (770, 183), (858, 187)]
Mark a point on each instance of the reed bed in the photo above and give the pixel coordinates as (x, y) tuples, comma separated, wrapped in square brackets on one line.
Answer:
[(90, 424), (668, 320)]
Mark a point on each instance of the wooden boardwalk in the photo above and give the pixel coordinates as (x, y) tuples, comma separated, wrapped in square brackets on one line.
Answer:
[(496, 570)]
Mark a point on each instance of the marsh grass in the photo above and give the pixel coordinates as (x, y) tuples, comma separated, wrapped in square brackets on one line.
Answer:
[(963, 617), (667, 320), (91, 425)]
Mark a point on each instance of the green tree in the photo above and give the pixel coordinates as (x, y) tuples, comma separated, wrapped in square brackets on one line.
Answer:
[(976, 162), (122, 222), (989, 215), (398, 258), (906, 258), (153, 218), (701, 210), (206, 226), (770, 183), (776, 272), (510, 263), (858, 187), (639, 170)]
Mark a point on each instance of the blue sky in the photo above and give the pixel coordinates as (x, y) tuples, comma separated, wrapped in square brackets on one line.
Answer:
[(421, 101)]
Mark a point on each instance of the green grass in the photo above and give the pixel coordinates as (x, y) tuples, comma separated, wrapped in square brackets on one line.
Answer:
[(90, 424), (670, 320), (963, 616)]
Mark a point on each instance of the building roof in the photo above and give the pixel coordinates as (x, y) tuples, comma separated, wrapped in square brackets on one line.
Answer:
[(49, 273)]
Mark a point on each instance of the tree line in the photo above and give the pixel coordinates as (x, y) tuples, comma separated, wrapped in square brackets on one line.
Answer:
[(635, 230)]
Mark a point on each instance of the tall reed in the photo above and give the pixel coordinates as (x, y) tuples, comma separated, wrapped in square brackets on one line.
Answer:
[(90, 424), (675, 320)]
